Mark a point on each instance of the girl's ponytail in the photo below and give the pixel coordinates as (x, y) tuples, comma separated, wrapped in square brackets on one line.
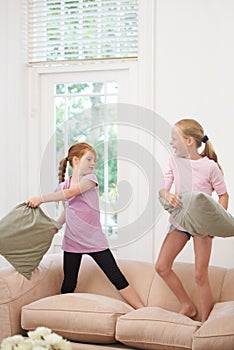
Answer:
[(210, 153), (62, 169)]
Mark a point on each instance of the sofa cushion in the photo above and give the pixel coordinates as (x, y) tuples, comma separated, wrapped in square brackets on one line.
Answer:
[(156, 328), (76, 316), (218, 331), (202, 215), (25, 236)]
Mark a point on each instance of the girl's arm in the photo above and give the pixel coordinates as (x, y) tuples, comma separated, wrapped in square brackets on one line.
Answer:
[(168, 179), (76, 187), (223, 200), (62, 195)]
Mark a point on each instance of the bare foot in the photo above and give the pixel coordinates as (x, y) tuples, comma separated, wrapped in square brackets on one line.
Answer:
[(188, 310)]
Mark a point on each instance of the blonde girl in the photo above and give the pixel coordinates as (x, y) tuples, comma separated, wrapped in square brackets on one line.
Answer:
[(190, 170)]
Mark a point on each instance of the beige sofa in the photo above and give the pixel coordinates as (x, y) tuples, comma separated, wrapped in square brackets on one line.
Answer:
[(96, 314)]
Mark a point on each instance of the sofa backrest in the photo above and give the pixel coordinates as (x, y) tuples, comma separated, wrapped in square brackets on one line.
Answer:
[(16, 291), (221, 281), (92, 280), (151, 288)]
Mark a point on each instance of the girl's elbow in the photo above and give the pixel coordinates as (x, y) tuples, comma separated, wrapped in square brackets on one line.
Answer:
[(227, 198), (224, 199), (72, 192)]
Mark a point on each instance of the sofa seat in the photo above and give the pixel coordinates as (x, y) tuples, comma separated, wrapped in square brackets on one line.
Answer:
[(80, 317), (156, 328)]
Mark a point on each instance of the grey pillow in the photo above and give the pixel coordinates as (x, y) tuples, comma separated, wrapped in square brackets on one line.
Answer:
[(202, 215), (25, 236)]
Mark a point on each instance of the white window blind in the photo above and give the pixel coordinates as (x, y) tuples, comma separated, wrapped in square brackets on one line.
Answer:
[(71, 30)]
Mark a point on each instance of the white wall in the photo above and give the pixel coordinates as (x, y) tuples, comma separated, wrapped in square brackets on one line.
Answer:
[(194, 78), (3, 105), (13, 116)]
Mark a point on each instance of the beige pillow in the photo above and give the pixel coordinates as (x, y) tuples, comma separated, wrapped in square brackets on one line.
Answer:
[(78, 316), (202, 215), (25, 236), (156, 328), (217, 333)]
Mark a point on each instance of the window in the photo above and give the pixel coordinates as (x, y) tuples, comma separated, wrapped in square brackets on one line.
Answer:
[(71, 30), (82, 115)]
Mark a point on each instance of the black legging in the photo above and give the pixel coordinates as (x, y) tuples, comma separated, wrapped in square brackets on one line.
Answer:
[(104, 259)]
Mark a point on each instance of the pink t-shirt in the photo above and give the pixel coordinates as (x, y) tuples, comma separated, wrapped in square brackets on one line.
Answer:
[(83, 232), (201, 175)]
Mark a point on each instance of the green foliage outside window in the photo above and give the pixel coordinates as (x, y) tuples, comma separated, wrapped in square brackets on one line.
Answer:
[(81, 116)]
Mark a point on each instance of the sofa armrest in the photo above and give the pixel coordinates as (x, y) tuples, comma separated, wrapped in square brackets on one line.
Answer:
[(16, 291), (218, 331)]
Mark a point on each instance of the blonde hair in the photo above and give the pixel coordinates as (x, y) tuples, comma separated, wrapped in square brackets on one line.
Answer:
[(77, 150), (191, 128)]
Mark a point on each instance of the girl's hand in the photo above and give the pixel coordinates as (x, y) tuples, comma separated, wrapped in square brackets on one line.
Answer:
[(174, 200), (34, 202)]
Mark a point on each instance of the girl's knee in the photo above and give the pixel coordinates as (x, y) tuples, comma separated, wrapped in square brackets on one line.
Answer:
[(201, 277), (162, 269)]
